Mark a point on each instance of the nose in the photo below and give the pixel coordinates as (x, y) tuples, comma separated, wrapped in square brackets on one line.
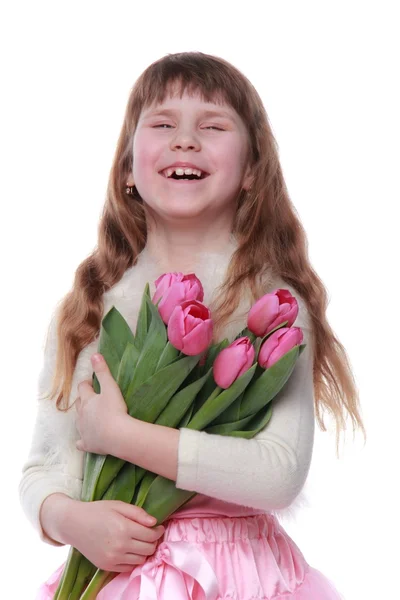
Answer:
[(185, 140)]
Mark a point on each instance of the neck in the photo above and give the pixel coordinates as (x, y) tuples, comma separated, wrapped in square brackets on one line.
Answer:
[(181, 246)]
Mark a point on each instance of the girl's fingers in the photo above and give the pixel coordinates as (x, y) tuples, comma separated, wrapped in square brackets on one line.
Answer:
[(145, 534), (141, 548)]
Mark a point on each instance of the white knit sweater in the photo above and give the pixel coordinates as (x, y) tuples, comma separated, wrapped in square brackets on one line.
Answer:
[(267, 472)]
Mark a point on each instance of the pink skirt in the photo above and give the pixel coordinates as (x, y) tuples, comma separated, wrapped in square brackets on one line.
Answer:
[(218, 558)]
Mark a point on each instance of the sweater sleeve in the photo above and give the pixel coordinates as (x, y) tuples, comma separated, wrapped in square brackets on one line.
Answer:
[(268, 471), (53, 464)]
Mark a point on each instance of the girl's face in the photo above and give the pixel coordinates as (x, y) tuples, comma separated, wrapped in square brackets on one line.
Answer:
[(188, 133)]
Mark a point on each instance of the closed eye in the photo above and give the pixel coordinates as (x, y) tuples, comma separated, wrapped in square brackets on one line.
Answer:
[(164, 125)]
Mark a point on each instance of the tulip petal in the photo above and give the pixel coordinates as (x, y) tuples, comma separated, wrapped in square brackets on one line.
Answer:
[(228, 365), (191, 322), (163, 283), (173, 296), (176, 328), (269, 346), (287, 342), (195, 287), (196, 309), (190, 288), (249, 360), (232, 362), (199, 339), (263, 313)]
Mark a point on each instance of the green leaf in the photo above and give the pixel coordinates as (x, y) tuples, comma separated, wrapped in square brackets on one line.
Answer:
[(111, 355), (146, 403), (232, 413), (172, 414), (206, 391), (126, 367), (144, 319), (152, 350), (94, 462), (256, 424), (265, 388), (123, 485), (170, 353), (93, 466), (180, 403), (186, 417), (246, 333), (226, 428), (140, 473), (118, 330), (151, 398), (109, 470), (164, 498), (218, 402), (144, 487)]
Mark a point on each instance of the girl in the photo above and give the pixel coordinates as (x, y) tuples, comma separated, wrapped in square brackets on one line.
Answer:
[(196, 186)]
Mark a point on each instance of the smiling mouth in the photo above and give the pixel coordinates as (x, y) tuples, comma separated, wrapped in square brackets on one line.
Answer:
[(186, 177)]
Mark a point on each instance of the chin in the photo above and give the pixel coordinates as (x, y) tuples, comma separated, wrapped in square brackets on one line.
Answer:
[(174, 211)]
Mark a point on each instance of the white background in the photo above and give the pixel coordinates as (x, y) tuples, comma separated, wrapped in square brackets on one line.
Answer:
[(327, 73)]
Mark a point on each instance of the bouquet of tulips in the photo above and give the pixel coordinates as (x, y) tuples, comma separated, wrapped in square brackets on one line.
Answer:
[(170, 374)]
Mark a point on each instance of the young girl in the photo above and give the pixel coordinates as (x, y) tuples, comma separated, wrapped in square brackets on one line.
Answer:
[(196, 186)]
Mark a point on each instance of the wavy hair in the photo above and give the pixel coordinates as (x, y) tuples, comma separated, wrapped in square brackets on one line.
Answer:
[(267, 227)]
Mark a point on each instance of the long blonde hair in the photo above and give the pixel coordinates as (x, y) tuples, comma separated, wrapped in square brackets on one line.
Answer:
[(266, 226)]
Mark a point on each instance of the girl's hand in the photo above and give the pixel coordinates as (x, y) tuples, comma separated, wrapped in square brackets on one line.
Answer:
[(113, 535), (99, 415)]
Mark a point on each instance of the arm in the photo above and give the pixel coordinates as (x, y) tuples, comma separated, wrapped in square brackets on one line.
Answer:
[(266, 472), (54, 465), (55, 518)]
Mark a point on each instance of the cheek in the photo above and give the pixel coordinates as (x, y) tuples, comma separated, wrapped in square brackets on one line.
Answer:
[(144, 154), (232, 161), (230, 152)]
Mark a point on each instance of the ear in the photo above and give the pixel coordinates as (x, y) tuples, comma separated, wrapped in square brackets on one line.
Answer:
[(130, 181), (247, 178)]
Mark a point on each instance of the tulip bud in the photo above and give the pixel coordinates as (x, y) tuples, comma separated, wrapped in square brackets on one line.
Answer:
[(233, 361), (190, 328), (272, 310), (279, 344), (174, 288)]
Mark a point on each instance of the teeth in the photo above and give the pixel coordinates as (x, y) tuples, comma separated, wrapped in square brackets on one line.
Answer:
[(182, 171)]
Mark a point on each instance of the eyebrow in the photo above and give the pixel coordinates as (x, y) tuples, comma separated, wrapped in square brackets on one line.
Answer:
[(206, 113)]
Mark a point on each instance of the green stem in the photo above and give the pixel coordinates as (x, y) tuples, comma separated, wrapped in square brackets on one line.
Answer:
[(85, 573), (68, 578), (100, 580)]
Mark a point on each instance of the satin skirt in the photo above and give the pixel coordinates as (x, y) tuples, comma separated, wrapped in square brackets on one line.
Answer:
[(218, 558)]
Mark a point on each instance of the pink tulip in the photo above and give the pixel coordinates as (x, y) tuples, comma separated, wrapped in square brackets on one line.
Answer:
[(175, 288), (279, 344), (271, 310), (190, 328), (233, 361)]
